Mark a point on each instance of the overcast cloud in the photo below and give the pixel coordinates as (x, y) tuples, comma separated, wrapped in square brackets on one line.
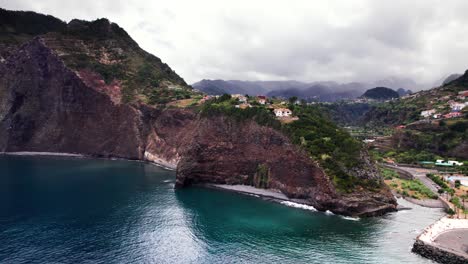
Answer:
[(279, 40)]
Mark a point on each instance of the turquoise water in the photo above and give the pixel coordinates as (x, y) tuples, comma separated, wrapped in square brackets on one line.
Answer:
[(64, 210)]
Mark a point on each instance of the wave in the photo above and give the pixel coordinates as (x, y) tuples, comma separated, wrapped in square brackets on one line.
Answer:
[(298, 205), (350, 218), (328, 212)]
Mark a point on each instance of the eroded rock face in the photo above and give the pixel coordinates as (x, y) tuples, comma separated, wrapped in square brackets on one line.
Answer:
[(228, 152), (45, 106)]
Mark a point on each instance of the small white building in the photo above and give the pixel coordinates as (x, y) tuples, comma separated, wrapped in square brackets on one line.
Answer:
[(242, 98), (261, 99), (282, 112), (428, 113), (457, 106)]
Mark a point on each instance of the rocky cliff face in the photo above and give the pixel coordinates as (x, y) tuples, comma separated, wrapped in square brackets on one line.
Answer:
[(229, 152), (48, 105)]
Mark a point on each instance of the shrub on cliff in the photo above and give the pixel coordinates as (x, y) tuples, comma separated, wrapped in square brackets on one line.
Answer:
[(260, 115)]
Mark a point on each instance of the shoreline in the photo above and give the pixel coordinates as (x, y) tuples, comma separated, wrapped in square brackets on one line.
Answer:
[(77, 155), (272, 196)]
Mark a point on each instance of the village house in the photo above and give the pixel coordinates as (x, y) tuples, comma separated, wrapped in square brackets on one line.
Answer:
[(428, 113), (453, 115), (243, 106), (206, 98), (456, 107), (463, 95), (282, 112), (242, 98), (261, 99)]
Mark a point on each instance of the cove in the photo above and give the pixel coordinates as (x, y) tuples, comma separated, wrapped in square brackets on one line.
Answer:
[(67, 210)]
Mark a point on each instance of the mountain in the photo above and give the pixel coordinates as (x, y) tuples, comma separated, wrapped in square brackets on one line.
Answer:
[(380, 93), (219, 87), (451, 78), (86, 87), (323, 91)]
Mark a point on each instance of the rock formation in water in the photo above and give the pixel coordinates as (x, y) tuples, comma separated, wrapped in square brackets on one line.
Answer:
[(88, 88)]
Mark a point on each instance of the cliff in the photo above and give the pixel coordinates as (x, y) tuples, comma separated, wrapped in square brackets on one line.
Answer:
[(59, 93)]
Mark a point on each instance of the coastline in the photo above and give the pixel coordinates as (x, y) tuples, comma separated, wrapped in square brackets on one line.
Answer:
[(271, 195), (163, 165), (43, 153)]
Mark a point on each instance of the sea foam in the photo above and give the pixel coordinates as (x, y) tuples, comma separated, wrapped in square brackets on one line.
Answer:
[(350, 218), (298, 205)]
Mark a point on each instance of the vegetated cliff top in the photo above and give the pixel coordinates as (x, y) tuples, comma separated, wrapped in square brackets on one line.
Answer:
[(97, 49), (381, 93)]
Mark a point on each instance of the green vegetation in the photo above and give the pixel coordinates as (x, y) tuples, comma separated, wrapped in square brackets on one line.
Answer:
[(409, 188), (408, 157), (333, 147), (438, 180), (262, 177), (224, 105), (381, 93), (388, 174)]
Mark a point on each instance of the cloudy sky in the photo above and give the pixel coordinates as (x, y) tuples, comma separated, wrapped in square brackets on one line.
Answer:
[(278, 40)]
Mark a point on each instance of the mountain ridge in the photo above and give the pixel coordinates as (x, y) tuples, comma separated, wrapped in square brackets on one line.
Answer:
[(328, 91)]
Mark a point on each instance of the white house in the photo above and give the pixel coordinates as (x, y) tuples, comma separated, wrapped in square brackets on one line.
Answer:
[(457, 106), (261, 99), (282, 112), (242, 98), (428, 113)]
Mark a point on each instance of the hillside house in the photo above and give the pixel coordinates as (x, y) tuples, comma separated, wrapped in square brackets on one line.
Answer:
[(282, 112), (261, 99), (462, 95), (456, 107), (440, 162), (428, 113), (453, 115), (242, 98), (243, 106)]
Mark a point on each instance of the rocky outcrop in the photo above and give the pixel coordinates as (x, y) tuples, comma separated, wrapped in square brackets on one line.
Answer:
[(46, 107), (224, 151)]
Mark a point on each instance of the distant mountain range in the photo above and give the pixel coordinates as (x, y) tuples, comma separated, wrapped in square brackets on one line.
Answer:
[(326, 91)]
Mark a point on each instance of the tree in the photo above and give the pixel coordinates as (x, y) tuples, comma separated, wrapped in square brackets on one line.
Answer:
[(224, 97), (292, 99)]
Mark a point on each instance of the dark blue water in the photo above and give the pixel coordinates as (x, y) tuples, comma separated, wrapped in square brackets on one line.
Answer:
[(62, 210)]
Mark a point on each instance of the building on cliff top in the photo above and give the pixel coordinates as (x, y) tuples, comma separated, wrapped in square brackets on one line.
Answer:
[(282, 112), (261, 99)]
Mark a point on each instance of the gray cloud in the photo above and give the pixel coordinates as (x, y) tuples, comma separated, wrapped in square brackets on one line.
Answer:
[(360, 40)]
